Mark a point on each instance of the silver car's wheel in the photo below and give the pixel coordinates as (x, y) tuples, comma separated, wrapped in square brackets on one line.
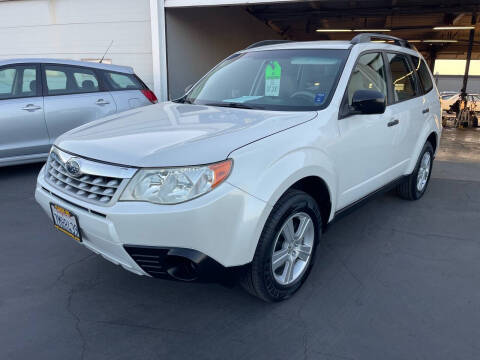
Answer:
[(293, 248), (423, 171)]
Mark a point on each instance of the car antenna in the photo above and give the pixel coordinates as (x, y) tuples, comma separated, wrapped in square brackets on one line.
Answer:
[(108, 48)]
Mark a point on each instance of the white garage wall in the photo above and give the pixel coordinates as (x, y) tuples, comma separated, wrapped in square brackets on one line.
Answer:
[(79, 29), (197, 39), (183, 3)]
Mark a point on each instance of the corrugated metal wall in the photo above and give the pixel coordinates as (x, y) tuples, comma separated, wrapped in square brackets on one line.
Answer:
[(454, 83), (198, 38)]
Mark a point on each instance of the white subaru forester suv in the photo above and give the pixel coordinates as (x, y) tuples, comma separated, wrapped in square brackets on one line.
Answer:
[(244, 172)]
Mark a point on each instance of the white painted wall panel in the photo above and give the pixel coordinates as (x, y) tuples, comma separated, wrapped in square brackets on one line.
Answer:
[(187, 3), (79, 29)]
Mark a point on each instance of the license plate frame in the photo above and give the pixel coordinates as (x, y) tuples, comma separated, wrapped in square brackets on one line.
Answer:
[(60, 212)]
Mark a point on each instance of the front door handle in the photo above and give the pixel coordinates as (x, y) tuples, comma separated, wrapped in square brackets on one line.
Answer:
[(102, 102), (424, 111), (31, 107), (393, 123)]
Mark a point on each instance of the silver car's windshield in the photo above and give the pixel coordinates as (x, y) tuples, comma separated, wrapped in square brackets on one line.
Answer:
[(272, 80)]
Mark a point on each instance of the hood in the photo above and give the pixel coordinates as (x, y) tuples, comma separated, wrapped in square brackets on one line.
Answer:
[(173, 134)]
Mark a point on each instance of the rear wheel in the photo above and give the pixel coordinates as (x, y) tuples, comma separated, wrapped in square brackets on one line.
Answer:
[(416, 183), (285, 252)]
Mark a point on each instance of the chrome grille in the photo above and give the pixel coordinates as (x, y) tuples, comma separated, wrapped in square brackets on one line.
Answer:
[(89, 187)]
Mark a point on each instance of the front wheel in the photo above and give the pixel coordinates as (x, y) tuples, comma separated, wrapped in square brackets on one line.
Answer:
[(416, 183), (286, 249)]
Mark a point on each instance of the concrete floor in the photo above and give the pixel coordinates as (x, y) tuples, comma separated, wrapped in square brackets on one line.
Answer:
[(394, 280)]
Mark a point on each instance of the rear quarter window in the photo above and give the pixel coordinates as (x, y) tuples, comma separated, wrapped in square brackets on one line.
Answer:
[(119, 81)]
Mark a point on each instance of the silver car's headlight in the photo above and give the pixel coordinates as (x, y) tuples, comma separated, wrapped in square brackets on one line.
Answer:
[(175, 185)]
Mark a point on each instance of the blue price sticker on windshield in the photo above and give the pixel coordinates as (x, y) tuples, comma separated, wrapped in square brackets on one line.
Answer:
[(319, 98)]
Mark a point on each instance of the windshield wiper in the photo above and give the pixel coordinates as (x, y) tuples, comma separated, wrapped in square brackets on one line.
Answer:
[(182, 100), (234, 105)]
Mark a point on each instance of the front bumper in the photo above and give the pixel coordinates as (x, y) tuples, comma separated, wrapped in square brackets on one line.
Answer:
[(224, 224)]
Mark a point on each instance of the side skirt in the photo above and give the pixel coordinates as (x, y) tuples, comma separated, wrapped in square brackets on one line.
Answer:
[(355, 205)]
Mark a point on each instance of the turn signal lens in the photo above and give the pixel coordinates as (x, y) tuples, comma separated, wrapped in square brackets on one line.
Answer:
[(220, 172)]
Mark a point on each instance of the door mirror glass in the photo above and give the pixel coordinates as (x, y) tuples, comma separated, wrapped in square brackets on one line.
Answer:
[(369, 102)]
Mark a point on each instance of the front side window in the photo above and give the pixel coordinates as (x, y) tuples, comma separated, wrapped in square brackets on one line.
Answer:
[(423, 73), (18, 81), (369, 74), (403, 77), (65, 80), (291, 80)]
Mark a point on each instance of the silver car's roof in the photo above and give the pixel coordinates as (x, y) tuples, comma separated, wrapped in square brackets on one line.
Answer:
[(117, 68)]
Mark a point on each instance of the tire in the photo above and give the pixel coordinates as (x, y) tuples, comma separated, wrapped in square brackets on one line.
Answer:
[(409, 190), (259, 277)]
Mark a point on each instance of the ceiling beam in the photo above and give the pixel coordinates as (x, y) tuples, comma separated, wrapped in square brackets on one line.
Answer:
[(287, 13)]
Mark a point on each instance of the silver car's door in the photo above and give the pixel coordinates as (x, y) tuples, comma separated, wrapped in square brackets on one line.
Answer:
[(23, 134), (126, 89), (73, 96)]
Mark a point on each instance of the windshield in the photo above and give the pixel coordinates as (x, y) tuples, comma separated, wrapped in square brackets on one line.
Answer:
[(292, 80)]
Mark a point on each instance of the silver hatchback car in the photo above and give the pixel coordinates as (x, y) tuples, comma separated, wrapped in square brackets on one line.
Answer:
[(41, 99)]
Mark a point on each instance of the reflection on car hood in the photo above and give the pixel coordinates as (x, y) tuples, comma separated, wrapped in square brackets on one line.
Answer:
[(173, 134)]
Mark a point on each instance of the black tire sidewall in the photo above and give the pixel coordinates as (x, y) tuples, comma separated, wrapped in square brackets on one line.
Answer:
[(416, 193), (297, 202)]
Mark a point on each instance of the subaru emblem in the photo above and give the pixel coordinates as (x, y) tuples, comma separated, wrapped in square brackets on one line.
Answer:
[(72, 167)]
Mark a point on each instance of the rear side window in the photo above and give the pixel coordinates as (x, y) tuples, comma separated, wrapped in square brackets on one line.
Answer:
[(119, 81), (18, 82), (402, 77), (65, 80), (423, 73)]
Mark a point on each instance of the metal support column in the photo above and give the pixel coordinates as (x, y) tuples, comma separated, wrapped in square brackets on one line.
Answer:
[(469, 57)]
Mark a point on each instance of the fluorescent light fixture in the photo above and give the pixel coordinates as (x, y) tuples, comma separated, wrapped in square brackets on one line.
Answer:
[(371, 30), (440, 41), (454, 27), (333, 30), (414, 41)]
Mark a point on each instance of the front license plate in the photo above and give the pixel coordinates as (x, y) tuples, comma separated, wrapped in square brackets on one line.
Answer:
[(66, 222)]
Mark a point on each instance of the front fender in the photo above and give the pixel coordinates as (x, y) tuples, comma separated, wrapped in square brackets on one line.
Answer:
[(266, 171)]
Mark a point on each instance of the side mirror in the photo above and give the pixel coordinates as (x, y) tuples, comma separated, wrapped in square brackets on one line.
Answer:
[(369, 102), (187, 89)]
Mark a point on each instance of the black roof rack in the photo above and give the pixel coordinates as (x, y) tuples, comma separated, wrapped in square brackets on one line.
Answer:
[(267, 42), (367, 37)]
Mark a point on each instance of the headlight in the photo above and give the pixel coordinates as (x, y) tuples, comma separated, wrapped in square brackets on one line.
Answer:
[(175, 185)]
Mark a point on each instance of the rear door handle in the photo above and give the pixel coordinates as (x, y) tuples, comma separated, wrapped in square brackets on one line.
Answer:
[(424, 111), (31, 107), (102, 102), (393, 123)]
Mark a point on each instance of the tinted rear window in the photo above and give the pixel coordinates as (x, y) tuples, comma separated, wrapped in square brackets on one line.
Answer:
[(65, 80), (119, 81), (402, 77), (423, 73)]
